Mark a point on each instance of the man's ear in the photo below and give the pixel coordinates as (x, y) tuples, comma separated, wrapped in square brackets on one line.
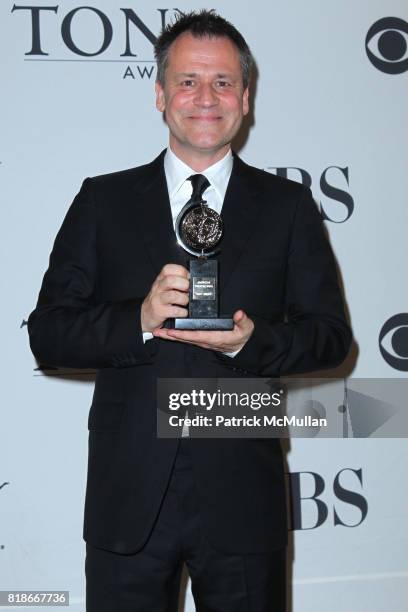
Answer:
[(160, 100), (245, 101)]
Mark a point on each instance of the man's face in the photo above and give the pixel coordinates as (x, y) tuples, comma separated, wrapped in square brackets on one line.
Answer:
[(203, 96)]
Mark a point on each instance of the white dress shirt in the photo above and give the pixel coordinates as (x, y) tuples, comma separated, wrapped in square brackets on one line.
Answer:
[(180, 190)]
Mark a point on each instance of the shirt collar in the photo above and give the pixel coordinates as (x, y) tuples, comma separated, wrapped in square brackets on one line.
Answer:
[(177, 172)]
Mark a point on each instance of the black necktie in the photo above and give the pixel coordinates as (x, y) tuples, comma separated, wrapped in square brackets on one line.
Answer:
[(200, 184)]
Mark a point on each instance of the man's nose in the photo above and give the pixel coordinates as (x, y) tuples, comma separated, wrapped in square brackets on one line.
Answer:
[(205, 95)]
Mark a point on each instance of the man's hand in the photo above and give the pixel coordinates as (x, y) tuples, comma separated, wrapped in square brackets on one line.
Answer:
[(167, 297), (222, 341)]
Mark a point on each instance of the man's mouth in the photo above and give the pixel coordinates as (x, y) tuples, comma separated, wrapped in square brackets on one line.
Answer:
[(209, 118)]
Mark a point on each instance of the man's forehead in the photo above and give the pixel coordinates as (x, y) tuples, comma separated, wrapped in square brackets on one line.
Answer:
[(203, 47)]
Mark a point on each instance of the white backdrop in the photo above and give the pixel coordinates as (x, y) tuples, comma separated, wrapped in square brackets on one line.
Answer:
[(321, 105)]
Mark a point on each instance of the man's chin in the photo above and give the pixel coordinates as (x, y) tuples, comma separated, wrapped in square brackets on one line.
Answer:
[(208, 145)]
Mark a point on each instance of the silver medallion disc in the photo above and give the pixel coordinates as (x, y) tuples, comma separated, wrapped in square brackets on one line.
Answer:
[(201, 228)]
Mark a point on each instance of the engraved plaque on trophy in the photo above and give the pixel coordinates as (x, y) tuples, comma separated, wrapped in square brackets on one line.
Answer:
[(199, 230)]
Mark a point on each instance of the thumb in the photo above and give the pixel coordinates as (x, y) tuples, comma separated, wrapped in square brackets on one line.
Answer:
[(244, 325), (240, 318)]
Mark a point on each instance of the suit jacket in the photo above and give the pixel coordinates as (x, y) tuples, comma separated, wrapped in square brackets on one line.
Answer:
[(275, 263)]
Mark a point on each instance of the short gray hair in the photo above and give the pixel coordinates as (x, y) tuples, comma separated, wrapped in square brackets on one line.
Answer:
[(201, 24)]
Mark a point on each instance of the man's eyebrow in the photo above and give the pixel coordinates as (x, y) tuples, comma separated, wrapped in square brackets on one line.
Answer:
[(191, 75), (223, 75), (186, 74)]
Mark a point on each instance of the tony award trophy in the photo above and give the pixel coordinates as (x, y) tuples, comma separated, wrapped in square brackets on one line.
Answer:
[(199, 230)]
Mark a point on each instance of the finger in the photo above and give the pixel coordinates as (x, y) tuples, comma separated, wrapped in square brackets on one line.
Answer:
[(174, 269), (173, 312), (242, 322), (164, 334), (210, 338), (173, 297), (170, 312), (239, 317), (172, 281)]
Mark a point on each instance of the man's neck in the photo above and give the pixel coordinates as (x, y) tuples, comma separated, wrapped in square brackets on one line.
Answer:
[(199, 162)]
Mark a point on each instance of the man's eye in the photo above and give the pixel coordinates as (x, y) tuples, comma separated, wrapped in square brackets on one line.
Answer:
[(188, 83), (222, 83)]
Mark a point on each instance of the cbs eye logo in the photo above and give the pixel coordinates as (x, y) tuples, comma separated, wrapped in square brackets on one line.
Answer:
[(393, 342), (386, 45)]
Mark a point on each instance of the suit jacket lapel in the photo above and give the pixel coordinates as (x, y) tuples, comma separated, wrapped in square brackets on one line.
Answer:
[(155, 217), (240, 213)]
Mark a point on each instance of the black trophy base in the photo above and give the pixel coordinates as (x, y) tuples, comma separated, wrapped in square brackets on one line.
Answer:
[(215, 324)]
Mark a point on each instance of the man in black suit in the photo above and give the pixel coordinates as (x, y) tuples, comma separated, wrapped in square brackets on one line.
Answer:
[(115, 276)]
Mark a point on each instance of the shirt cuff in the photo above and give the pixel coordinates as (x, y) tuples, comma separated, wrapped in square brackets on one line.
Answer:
[(232, 354), (147, 336)]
